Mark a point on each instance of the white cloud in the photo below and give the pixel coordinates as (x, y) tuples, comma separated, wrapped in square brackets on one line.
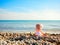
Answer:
[(46, 14)]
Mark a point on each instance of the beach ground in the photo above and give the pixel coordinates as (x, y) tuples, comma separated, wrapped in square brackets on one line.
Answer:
[(28, 38)]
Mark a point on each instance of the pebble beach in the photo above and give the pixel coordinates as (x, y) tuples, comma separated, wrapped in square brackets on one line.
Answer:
[(7, 38)]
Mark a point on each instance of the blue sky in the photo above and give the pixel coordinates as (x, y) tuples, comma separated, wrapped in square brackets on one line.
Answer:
[(29, 9)]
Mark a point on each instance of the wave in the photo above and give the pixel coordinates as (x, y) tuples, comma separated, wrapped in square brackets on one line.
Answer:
[(55, 25)]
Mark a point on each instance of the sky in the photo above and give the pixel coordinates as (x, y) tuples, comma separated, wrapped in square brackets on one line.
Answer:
[(29, 9)]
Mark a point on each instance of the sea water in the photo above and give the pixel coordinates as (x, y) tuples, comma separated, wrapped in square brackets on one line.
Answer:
[(49, 26)]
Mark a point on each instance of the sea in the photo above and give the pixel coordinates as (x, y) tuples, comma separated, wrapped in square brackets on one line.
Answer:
[(49, 26)]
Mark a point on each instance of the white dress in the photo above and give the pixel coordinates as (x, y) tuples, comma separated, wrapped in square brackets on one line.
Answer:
[(38, 33)]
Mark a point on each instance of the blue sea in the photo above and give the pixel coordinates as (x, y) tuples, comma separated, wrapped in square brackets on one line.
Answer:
[(49, 26)]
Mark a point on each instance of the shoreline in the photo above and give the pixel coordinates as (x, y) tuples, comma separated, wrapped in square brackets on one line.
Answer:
[(32, 31)]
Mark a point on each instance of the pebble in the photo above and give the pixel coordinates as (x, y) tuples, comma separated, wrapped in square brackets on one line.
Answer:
[(18, 39)]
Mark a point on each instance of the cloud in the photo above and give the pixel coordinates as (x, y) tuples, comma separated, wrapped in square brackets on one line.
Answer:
[(46, 14)]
